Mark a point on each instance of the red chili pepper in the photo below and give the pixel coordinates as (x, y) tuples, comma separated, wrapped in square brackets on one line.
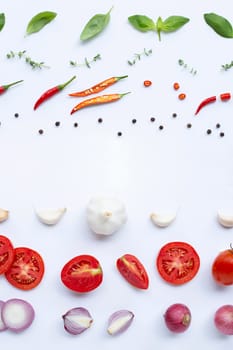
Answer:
[(225, 96), (176, 86), (4, 88), (182, 96), (205, 102), (51, 92)]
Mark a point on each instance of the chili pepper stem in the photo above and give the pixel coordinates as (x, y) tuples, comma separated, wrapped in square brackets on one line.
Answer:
[(122, 77), (62, 86), (11, 84), (126, 93)]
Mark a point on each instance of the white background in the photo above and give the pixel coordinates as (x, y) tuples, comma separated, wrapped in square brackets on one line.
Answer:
[(148, 169)]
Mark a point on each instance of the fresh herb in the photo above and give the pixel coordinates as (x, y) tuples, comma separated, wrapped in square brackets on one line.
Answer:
[(219, 24), (227, 66), (27, 59), (146, 24), (86, 62), (185, 66), (95, 26), (40, 20), (138, 56), (2, 20)]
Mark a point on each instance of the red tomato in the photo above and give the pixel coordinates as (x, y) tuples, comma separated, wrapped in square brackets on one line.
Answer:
[(6, 254), (177, 262), (82, 274), (222, 268), (133, 271), (26, 270)]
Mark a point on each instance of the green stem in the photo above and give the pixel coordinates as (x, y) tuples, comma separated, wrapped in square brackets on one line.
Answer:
[(11, 84), (61, 86), (122, 77), (126, 93)]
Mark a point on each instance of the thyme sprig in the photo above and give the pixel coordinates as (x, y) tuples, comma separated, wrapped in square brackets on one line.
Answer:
[(138, 56), (27, 59), (86, 62), (186, 66), (227, 66)]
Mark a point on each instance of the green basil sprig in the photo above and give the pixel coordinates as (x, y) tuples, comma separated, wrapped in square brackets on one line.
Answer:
[(146, 24), (219, 24), (95, 26), (2, 20), (40, 20)]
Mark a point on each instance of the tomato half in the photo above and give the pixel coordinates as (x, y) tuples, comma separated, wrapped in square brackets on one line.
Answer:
[(222, 268), (177, 262), (133, 271), (82, 274), (6, 254), (26, 270)]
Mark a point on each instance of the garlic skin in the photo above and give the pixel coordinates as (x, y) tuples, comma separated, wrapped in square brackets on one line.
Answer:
[(119, 322), (50, 216), (225, 218), (4, 214), (163, 219), (77, 320), (105, 215)]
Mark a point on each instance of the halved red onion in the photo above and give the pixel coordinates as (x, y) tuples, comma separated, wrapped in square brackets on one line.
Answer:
[(223, 319), (119, 322), (17, 314), (177, 318), (77, 320), (3, 327)]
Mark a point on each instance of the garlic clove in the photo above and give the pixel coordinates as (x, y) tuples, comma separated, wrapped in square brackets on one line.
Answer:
[(225, 218), (163, 219), (119, 322), (50, 216), (4, 214), (77, 320)]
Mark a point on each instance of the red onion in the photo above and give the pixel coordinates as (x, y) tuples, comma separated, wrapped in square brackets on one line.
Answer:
[(177, 318), (223, 319), (17, 314), (77, 320), (3, 327), (119, 322)]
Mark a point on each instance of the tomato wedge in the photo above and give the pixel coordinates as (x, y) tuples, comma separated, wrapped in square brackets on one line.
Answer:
[(82, 274), (6, 254), (26, 270), (177, 262), (133, 271)]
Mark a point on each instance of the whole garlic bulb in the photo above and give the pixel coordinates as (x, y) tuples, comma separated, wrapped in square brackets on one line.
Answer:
[(106, 215)]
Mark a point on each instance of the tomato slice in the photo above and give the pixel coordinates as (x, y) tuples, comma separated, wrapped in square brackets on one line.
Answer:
[(26, 270), (133, 271), (82, 273), (6, 254), (177, 262)]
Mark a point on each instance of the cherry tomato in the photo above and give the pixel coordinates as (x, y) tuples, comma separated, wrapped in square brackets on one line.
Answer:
[(6, 254), (133, 271), (147, 83), (177, 262), (82, 274), (222, 268), (26, 270)]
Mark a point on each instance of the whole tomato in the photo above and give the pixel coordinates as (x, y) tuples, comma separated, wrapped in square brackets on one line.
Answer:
[(222, 268)]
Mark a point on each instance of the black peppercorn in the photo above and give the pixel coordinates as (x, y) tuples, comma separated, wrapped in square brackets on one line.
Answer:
[(161, 127), (57, 124), (218, 125), (189, 125), (100, 120), (208, 131), (75, 125), (174, 115), (152, 119), (134, 121), (119, 133), (16, 115), (41, 131), (221, 134)]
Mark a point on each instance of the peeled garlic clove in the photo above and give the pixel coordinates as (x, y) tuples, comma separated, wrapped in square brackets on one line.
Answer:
[(162, 219), (4, 214), (119, 322), (50, 216), (77, 320), (225, 219)]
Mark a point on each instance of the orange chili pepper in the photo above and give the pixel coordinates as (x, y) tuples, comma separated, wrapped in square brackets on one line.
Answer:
[(98, 87), (181, 96), (98, 100)]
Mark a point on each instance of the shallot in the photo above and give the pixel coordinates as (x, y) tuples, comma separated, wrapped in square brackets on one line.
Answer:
[(223, 319), (119, 322), (77, 320), (177, 318), (3, 327)]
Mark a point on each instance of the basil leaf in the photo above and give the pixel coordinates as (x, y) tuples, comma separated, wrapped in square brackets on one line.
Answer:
[(142, 23), (2, 20), (38, 21), (219, 24), (95, 26), (173, 23)]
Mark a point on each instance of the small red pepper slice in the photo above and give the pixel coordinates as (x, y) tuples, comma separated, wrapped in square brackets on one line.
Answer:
[(225, 96), (205, 103), (4, 88)]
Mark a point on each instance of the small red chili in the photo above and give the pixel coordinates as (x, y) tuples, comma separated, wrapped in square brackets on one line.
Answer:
[(176, 86), (4, 88), (147, 83), (205, 102), (49, 93), (181, 96), (225, 96)]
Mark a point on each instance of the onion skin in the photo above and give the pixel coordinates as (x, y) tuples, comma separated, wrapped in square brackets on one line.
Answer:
[(223, 319), (77, 320), (177, 318)]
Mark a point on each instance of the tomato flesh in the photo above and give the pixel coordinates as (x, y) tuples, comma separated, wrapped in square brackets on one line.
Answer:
[(6, 254), (222, 268), (177, 262), (26, 270), (133, 271), (82, 273)]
